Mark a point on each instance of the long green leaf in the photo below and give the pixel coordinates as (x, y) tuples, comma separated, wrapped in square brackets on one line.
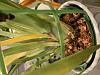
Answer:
[(35, 23), (2, 65), (10, 3), (32, 55), (23, 38), (15, 26), (59, 29), (2, 38), (21, 48), (26, 47), (30, 11), (9, 34), (64, 65), (29, 24), (8, 6), (4, 6)]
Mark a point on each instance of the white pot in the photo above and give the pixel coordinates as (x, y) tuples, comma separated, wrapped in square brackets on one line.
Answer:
[(95, 58)]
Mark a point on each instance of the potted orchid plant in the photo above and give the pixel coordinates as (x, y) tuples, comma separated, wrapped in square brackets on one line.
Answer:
[(57, 39)]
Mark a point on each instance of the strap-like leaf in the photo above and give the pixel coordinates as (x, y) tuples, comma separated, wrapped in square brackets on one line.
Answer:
[(59, 29), (22, 38), (9, 34), (2, 65), (9, 59), (64, 65), (27, 47), (11, 7)]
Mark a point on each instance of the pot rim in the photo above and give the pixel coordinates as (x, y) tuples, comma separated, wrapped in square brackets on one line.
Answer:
[(97, 33)]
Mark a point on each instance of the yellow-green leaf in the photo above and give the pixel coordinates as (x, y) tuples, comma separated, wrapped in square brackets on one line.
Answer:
[(22, 38), (64, 65)]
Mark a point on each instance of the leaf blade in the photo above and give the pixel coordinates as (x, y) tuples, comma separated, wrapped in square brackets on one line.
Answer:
[(65, 65), (22, 38)]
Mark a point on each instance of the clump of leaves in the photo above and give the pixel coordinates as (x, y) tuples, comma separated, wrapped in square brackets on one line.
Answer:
[(33, 34)]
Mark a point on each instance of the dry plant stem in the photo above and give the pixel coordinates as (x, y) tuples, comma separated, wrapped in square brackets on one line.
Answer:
[(2, 65)]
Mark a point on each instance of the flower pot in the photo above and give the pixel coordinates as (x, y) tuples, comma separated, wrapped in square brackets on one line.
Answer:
[(93, 59)]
